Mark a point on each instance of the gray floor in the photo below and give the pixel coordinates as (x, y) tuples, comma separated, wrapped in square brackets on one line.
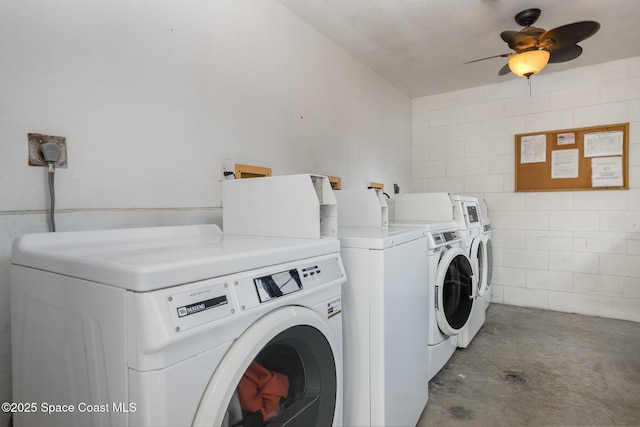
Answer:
[(529, 367)]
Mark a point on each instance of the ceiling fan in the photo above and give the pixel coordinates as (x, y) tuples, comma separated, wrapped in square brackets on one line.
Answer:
[(534, 47)]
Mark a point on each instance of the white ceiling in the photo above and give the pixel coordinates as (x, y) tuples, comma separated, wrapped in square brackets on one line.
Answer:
[(420, 45)]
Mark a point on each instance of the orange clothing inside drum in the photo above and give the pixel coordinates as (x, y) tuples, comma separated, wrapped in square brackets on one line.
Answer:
[(261, 390)]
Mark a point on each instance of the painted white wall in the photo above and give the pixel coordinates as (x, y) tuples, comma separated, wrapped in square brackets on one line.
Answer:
[(567, 251), (150, 94)]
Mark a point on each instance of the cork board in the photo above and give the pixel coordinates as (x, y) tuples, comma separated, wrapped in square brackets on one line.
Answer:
[(590, 158)]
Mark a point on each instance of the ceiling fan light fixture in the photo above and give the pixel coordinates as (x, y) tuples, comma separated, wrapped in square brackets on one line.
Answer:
[(526, 64)]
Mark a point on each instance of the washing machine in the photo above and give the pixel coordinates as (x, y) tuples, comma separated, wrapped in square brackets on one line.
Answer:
[(467, 214), (452, 277), (488, 244), (167, 326), (385, 351), (450, 284)]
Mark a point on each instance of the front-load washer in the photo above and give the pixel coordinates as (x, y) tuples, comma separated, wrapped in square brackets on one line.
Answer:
[(168, 326), (450, 283), (385, 300), (488, 244), (464, 211), (467, 214)]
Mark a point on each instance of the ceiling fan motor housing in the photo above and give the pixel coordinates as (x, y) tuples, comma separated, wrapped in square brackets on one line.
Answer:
[(527, 17)]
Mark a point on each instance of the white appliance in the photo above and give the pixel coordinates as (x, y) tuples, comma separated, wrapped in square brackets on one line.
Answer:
[(385, 338), (450, 285), (467, 214), (386, 314), (157, 326), (488, 244), (452, 278)]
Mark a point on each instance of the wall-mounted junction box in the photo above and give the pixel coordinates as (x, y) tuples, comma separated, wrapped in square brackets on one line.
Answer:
[(35, 155), (224, 165)]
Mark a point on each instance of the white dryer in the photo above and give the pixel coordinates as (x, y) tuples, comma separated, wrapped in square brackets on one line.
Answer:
[(386, 310), (159, 326), (488, 244), (385, 301)]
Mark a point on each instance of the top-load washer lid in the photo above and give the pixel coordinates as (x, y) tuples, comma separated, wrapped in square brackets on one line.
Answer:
[(144, 259), (378, 237)]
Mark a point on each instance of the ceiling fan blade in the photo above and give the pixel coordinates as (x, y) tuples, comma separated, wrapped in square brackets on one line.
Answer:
[(504, 70), (507, 36), (568, 35), (565, 54), (504, 55)]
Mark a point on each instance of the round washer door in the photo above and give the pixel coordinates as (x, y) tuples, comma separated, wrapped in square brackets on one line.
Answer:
[(454, 291), (478, 256), (293, 341)]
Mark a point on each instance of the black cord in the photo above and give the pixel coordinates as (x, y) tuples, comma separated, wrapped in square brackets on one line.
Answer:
[(52, 200)]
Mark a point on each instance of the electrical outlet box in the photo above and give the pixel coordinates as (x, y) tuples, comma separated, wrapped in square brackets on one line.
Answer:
[(36, 158), (224, 165)]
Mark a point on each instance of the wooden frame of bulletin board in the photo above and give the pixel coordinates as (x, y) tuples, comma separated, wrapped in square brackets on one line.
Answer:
[(590, 158)]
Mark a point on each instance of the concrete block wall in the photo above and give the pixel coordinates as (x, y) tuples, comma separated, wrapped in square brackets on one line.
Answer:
[(573, 251)]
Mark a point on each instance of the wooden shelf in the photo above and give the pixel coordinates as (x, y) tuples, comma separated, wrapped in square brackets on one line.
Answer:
[(336, 182), (251, 171)]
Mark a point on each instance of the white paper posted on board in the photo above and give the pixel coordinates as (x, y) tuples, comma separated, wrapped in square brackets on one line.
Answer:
[(533, 149), (603, 144), (606, 172), (564, 163)]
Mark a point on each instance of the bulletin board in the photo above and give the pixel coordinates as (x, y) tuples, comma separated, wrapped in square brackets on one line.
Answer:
[(590, 158)]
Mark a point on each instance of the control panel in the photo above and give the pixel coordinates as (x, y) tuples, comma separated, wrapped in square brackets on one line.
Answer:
[(472, 214), (218, 298), (444, 237), (289, 279)]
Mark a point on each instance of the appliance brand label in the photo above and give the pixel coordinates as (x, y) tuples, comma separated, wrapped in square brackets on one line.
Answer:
[(197, 307)]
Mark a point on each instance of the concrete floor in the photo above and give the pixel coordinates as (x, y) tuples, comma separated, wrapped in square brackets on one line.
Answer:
[(530, 367)]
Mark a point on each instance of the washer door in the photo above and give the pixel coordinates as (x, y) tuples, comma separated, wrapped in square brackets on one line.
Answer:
[(478, 257), (292, 342), (455, 282)]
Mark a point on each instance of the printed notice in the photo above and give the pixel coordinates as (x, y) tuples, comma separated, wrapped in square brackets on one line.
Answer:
[(564, 163), (566, 138), (602, 144), (606, 172), (533, 149)]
